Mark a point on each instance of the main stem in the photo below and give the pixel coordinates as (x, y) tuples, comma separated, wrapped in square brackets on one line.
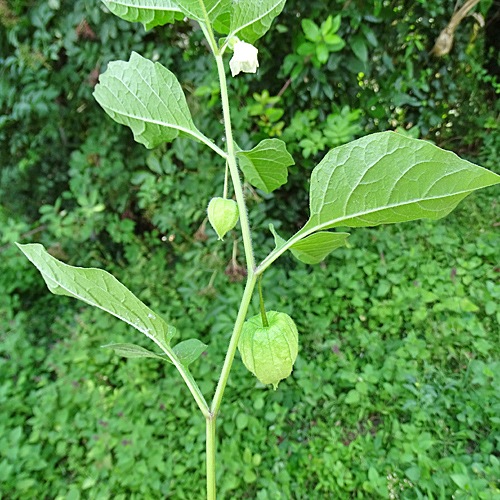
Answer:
[(211, 495), (247, 241), (233, 168), (250, 261)]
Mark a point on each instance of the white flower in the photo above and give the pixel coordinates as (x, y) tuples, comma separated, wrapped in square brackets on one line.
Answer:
[(244, 58)]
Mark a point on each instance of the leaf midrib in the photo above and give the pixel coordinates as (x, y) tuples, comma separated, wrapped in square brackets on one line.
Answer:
[(123, 4), (95, 304), (197, 134), (253, 21), (386, 207), (329, 224)]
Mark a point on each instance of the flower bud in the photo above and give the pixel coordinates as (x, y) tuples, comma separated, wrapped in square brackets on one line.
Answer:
[(269, 352), (244, 58), (223, 215)]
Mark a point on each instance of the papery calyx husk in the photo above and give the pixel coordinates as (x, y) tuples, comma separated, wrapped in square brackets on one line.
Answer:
[(223, 215), (269, 352)]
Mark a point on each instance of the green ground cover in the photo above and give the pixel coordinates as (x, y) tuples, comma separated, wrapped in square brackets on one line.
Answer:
[(395, 390)]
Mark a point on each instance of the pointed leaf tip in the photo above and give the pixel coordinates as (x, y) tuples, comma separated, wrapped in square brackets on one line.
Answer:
[(387, 178)]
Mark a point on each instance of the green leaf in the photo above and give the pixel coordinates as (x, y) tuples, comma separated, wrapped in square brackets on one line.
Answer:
[(352, 397), (133, 351), (336, 24), (189, 350), (150, 13), (100, 289), (413, 473), (387, 178), (359, 48), (317, 246), (322, 53), (278, 240), (335, 43), (313, 248), (266, 165), (311, 30), (251, 19), (194, 10), (373, 475), (461, 480), (147, 97)]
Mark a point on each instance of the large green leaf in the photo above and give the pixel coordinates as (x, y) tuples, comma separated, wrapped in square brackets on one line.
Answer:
[(147, 97), (381, 179), (266, 165), (386, 178), (194, 10), (150, 13), (100, 289), (251, 19)]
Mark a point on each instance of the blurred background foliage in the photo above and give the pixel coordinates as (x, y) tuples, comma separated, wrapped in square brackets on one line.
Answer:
[(395, 391)]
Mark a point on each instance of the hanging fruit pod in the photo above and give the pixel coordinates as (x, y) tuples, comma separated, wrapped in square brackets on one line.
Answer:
[(269, 352), (223, 215)]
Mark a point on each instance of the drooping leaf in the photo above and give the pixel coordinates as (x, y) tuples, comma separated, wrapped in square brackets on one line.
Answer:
[(266, 165), (314, 248), (251, 19), (278, 240), (147, 97), (100, 289), (133, 351), (189, 350), (150, 13), (194, 10), (386, 178)]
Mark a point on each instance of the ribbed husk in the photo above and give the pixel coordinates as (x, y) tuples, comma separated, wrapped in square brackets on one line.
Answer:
[(269, 352)]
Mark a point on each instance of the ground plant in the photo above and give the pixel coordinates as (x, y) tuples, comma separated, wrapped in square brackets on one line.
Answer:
[(383, 178)]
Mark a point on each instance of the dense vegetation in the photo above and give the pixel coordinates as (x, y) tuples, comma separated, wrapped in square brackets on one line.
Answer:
[(395, 391)]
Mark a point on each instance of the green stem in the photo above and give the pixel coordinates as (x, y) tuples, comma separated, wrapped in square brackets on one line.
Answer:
[(207, 29), (233, 169), (188, 378), (211, 447), (250, 260), (226, 181), (233, 344), (265, 323)]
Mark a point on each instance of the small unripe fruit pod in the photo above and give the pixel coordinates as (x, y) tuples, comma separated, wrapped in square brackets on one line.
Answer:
[(269, 351), (223, 215)]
